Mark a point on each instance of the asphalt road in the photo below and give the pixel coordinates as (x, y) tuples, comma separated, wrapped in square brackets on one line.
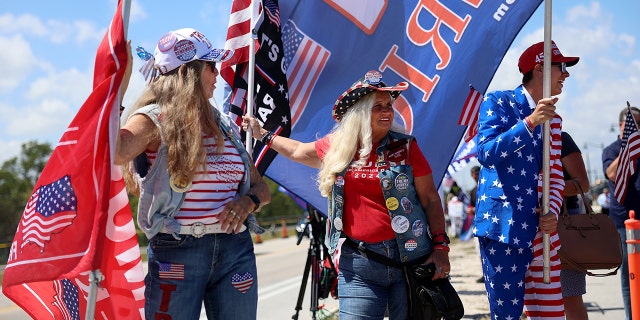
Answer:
[(280, 267)]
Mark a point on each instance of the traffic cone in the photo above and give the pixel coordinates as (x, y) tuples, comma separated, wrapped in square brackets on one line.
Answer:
[(258, 238), (632, 227), (284, 229)]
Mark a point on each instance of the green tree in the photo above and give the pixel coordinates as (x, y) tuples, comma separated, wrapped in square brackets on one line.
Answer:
[(18, 176), (280, 207)]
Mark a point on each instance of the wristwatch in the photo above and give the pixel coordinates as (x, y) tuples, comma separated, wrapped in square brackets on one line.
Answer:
[(255, 200)]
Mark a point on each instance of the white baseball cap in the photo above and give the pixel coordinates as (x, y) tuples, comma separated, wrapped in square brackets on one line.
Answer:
[(178, 47)]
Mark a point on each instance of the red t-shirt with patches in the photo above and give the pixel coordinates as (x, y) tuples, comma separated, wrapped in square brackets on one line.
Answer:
[(365, 216)]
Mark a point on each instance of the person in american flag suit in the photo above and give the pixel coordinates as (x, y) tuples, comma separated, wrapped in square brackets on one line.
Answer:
[(509, 223)]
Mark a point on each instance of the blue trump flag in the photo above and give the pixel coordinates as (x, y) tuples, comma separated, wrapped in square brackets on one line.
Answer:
[(439, 47)]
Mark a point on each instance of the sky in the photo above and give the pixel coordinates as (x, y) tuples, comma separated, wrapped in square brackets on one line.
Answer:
[(49, 50)]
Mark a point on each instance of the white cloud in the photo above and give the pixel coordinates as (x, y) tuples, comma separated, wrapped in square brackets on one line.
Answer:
[(600, 84), (41, 120), (10, 149), (55, 31), (26, 23), (71, 86), (17, 61)]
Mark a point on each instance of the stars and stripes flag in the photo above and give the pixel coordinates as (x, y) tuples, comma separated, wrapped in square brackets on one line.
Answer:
[(305, 60), (272, 11), (271, 93), (242, 282), (238, 37), (170, 271), (629, 153), (78, 218), (469, 115), (50, 209)]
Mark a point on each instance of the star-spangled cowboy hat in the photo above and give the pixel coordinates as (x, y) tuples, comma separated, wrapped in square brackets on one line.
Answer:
[(369, 83)]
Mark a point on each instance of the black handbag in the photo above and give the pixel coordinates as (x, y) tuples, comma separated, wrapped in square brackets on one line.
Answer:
[(431, 299)]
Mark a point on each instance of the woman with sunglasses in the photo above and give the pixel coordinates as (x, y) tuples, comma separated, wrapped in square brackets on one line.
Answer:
[(198, 187)]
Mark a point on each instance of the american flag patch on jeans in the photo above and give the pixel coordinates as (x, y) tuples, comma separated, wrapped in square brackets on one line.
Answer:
[(171, 271)]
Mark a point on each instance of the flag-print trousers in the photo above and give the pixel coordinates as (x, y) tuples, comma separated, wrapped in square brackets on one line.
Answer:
[(217, 270), (514, 280)]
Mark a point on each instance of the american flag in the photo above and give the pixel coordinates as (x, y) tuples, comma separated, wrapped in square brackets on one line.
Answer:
[(270, 82), (629, 153), (469, 115), (50, 209), (238, 38), (272, 11), (171, 271), (66, 299), (304, 60), (242, 282)]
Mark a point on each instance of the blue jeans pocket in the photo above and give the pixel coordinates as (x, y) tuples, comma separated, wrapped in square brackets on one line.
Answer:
[(163, 241)]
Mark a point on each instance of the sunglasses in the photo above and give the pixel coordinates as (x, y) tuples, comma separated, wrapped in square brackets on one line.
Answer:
[(212, 64), (562, 65)]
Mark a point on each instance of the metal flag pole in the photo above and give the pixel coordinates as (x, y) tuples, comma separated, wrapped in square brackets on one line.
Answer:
[(251, 75), (95, 277), (546, 92)]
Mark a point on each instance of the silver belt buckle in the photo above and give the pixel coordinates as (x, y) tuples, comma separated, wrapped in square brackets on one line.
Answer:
[(198, 229)]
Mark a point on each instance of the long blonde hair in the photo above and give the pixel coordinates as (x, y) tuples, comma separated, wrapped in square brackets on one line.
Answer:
[(186, 115), (351, 135)]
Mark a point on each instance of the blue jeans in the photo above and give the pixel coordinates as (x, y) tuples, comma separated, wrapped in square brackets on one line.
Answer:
[(366, 287), (624, 274), (217, 269)]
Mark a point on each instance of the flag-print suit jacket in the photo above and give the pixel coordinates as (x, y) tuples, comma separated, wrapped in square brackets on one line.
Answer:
[(511, 160)]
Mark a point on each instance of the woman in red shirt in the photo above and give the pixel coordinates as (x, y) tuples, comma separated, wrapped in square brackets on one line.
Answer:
[(383, 199)]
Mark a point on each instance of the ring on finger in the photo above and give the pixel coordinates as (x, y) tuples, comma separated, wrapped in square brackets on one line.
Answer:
[(233, 213)]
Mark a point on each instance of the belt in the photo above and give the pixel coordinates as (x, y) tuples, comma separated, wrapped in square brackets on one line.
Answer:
[(199, 229)]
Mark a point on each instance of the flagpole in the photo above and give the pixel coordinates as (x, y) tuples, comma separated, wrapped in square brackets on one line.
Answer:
[(546, 92), (95, 277), (251, 75)]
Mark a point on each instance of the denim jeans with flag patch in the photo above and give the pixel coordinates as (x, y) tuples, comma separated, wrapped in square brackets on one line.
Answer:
[(218, 270)]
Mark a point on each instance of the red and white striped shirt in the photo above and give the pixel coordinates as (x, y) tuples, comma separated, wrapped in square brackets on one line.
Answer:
[(213, 188)]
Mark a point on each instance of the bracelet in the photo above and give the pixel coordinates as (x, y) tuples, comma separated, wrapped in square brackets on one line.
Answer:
[(529, 125), (442, 247), (270, 142), (267, 138), (440, 237)]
